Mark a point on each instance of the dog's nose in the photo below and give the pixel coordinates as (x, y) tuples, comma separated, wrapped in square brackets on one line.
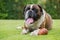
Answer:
[(30, 13)]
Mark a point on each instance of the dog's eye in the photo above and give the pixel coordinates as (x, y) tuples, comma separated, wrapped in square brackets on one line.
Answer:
[(28, 9), (35, 10)]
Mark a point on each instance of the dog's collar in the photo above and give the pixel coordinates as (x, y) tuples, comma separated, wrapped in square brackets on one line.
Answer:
[(37, 23)]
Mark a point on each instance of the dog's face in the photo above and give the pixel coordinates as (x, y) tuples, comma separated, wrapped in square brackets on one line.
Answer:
[(32, 11)]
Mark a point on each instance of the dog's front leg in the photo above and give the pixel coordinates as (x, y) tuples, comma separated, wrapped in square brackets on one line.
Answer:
[(35, 32), (25, 31)]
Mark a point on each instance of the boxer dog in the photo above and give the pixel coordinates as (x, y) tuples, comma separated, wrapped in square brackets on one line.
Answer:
[(36, 18)]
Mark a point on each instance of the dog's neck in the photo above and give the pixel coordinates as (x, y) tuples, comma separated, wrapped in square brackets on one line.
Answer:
[(42, 18), (37, 23)]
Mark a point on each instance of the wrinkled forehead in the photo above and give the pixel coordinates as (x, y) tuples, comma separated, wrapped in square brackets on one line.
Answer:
[(32, 6)]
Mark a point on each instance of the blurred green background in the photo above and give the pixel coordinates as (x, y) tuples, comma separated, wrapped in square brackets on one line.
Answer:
[(13, 9)]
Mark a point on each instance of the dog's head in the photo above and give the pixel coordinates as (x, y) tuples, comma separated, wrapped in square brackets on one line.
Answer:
[(32, 12)]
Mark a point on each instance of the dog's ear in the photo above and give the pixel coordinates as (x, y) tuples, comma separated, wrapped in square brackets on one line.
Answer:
[(40, 9), (24, 9)]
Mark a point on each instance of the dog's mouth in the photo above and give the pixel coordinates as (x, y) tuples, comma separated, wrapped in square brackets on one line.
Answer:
[(29, 21)]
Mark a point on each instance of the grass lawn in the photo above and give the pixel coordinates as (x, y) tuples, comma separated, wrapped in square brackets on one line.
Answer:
[(8, 31)]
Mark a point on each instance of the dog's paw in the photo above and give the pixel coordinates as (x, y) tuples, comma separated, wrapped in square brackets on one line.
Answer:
[(24, 31), (34, 33), (18, 27)]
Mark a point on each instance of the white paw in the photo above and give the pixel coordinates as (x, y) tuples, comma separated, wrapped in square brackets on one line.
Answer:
[(24, 31), (19, 27), (34, 33)]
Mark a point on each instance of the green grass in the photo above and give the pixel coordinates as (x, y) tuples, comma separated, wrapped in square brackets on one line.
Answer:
[(8, 31)]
